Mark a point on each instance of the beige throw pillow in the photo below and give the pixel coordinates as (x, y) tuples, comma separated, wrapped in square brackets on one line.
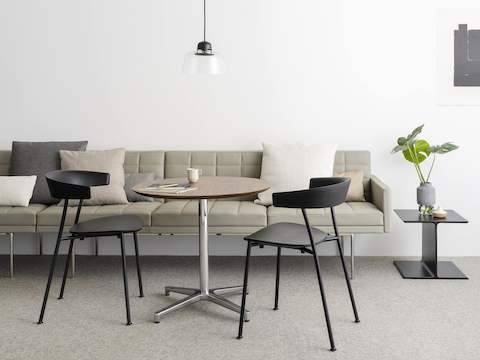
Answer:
[(108, 161), (356, 192), (289, 167)]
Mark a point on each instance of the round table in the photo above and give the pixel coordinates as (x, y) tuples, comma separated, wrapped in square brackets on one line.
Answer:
[(214, 187)]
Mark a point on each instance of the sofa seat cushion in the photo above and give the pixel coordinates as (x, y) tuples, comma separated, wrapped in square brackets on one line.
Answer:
[(346, 214), (20, 216), (51, 216), (223, 213)]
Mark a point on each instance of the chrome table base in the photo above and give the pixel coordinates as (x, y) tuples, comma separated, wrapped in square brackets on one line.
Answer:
[(196, 295), (204, 293)]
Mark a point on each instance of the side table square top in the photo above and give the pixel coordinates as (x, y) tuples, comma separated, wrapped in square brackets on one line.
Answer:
[(413, 216)]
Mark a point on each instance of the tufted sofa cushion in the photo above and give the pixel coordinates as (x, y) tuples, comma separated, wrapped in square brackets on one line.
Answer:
[(350, 214), (214, 163), (49, 219), (18, 218), (231, 215), (145, 162)]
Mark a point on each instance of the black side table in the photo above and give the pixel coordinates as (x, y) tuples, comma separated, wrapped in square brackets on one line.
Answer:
[(429, 267)]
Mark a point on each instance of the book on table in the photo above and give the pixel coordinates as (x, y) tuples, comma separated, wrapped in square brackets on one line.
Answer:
[(174, 188)]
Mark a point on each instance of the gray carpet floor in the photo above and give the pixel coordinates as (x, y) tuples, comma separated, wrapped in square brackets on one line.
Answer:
[(400, 319)]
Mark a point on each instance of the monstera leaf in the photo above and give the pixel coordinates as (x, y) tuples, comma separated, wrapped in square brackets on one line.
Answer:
[(417, 152), (414, 134), (404, 142), (443, 149)]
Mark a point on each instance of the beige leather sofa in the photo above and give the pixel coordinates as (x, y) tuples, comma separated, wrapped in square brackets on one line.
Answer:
[(230, 216)]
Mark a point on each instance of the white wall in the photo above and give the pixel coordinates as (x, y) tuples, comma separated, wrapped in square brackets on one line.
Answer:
[(360, 73)]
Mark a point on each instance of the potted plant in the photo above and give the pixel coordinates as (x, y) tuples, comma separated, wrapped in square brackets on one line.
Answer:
[(417, 151)]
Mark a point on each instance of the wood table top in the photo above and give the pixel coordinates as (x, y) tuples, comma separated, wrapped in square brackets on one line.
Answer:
[(208, 187)]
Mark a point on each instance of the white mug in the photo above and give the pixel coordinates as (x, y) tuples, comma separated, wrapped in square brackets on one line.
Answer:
[(193, 175)]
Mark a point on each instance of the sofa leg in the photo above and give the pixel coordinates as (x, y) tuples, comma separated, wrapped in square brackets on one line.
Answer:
[(95, 245), (39, 244), (11, 254), (72, 263), (352, 257)]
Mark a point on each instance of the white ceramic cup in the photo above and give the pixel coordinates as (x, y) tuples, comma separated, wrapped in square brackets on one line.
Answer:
[(193, 175)]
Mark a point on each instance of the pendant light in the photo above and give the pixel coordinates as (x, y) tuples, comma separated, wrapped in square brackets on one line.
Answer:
[(204, 60)]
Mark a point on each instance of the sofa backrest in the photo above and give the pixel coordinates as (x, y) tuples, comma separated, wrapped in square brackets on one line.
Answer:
[(145, 162), (170, 164), (248, 163), (135, 162), (4, 162), (353, 160), (213, 163)]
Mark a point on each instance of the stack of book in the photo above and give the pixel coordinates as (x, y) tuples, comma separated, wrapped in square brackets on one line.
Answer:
[(170, 188)]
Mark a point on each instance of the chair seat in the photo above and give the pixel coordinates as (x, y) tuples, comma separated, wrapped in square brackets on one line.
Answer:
[(108, 225), (287, 234)]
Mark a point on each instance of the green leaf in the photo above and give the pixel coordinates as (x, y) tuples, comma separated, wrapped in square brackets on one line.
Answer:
[(402, 141), (399, 148), (414, 133), (418, 151), (446, 148), (422, 146)]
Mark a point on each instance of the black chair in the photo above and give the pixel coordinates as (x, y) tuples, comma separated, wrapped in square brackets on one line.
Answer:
[(75, 185), (323, 193)]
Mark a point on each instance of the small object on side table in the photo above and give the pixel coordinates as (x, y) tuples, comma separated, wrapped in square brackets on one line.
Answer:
[(429, 267), (439, 213)]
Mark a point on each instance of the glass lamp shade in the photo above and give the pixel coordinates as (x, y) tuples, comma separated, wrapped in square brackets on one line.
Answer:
[(196, 64)]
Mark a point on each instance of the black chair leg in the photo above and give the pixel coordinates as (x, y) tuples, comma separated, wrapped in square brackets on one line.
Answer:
[(137, 258), (277, 281), (324, 301), (352, 299), (244, 293), (49, 281), (125, 280), (65, 272)]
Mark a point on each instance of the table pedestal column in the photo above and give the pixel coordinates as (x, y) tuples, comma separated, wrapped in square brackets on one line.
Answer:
[(204, 292), (429, 267)]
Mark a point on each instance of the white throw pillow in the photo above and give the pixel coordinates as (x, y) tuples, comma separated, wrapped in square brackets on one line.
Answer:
[(108, 161), (290, 167), (16, 190)]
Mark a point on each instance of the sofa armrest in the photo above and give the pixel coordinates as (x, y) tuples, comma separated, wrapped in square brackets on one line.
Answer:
[(381, 198)]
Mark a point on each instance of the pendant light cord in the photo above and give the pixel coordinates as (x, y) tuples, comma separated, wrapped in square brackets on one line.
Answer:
[(204, 19)]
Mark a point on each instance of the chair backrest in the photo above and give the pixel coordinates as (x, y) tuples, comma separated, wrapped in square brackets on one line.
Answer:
[(74, 184), (323, 193)]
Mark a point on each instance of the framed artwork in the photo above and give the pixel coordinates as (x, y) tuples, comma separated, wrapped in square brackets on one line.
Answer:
[(458, 57)]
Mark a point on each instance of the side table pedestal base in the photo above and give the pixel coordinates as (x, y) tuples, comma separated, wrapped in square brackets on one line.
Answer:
[(410, 269)]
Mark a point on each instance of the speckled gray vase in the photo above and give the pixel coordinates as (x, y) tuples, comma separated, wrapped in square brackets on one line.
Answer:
[(426, 195)]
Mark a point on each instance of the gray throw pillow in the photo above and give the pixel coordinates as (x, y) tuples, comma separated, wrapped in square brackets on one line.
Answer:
[(135, 179), (38, 158)]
